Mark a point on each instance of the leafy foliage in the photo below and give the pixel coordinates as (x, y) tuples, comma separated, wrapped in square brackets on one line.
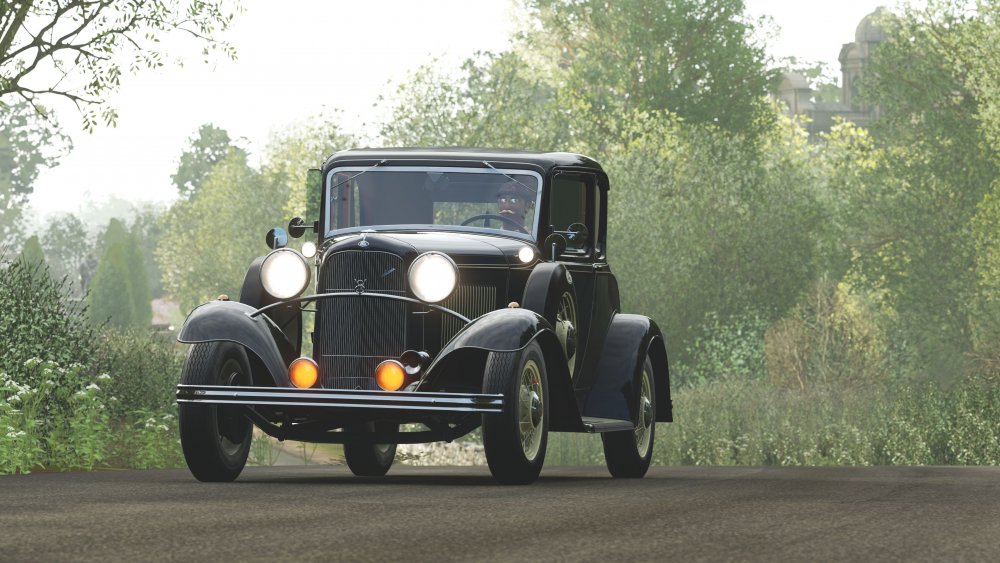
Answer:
[(76, 50), (210, 240), (37, 320), (28, 142), (210, 146), (699, 59), (120, 291), (703, 226), (71, 250)]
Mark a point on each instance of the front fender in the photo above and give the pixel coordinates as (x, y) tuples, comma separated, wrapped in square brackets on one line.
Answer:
[(462, 361), (231, 321), (615, 394)]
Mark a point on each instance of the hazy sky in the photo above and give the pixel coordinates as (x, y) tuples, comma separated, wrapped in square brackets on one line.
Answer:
[(298, 58)]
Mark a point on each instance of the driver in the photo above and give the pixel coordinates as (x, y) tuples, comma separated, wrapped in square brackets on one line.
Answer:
[(513, 202)]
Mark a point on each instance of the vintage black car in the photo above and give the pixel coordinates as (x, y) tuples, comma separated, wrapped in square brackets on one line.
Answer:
[(454, 289)]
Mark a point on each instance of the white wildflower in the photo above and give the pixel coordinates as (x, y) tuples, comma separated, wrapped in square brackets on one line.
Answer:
[(92, 386), (104, 377)]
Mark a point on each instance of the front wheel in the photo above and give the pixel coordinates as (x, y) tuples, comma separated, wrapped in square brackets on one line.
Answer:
[(629, 452), (515, 439), (370, 460), (215, 438)]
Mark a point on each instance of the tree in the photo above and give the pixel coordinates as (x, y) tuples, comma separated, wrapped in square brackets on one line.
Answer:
[(147, 227), (32, 253), (142, 309), (924, 197), (78, 50), (209, 241), (496, 102), (699, 59), (71, 249), (211, 145), (294, 150), (119, 292), (706, 231), (110, 297), (27, 143)]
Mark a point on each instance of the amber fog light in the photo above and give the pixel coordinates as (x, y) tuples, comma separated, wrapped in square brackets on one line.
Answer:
[(303, 373), (390, 375)]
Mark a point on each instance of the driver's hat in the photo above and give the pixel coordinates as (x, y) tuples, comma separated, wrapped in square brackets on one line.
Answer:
[(513, 188)]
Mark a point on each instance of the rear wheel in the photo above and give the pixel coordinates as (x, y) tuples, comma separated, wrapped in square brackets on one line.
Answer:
[(550, 293), (370, 460), (215, 438), (515, 439), (629, 452)]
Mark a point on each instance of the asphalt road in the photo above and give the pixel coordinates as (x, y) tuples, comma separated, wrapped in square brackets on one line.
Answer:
[(459, 514)]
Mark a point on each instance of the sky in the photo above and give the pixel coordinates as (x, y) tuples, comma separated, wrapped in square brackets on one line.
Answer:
[(300, 58)]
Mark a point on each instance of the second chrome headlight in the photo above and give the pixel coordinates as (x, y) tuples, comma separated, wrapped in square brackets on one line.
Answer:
[(284, 273), (433, 276)]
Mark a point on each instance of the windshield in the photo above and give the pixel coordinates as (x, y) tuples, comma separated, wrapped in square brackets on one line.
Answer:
[(491, 200)]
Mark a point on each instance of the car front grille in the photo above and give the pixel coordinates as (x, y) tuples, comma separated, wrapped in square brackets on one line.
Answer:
[(353, 336)]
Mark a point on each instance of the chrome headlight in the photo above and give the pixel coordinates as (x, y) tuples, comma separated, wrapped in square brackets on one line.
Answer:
[(433, 276), (284, 273)]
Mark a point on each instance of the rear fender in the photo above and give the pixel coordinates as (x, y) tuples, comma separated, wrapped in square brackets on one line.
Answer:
[(461, 363), (231, 321), (615, 393)]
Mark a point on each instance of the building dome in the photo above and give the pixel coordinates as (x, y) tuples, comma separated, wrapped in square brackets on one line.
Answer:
[(869, 30)]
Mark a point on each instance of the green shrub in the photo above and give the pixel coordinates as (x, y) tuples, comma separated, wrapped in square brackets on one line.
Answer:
[(145, 368), (38, 321), (148, 440), (60, 421)]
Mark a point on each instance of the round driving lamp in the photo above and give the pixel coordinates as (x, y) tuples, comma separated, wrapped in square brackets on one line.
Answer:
[(303, 373), (284, 273), (433, 276), (390, 375)]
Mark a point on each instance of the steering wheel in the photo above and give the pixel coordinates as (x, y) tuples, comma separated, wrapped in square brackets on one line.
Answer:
[(486, 221)]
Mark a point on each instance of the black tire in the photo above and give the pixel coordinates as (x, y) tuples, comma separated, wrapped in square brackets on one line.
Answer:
[(370, 460), (215, 438), (513, 461), (550, 293), (622, 450)]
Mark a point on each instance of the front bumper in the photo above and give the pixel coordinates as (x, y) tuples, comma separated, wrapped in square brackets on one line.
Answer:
[(417, 403)]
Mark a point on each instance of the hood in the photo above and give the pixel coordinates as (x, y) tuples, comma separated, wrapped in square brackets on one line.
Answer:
[(466, 249)]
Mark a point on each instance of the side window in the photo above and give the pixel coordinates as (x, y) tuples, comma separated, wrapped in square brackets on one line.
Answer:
[(570, 201)]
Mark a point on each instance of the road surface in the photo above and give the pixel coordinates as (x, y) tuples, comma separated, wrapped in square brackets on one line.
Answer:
[(459, 514)]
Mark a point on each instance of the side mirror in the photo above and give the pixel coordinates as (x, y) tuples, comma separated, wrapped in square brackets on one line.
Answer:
[(276, 238), (297, 227), (553, 246)]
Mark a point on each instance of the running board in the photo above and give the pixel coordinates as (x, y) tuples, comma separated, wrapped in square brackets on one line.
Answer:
[(600, 425)]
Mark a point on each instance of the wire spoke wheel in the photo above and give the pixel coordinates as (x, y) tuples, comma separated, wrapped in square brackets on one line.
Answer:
[(643, 430), (566, 328), (628, 453), (515, 439), (530, 409)]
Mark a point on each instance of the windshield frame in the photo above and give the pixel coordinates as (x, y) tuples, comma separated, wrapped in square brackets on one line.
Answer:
[(359, 170)]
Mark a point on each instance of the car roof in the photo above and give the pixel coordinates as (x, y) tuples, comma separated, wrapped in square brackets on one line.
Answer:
[(545, 161)]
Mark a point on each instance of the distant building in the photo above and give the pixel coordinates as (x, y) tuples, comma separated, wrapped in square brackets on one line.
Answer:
[(798, 98)]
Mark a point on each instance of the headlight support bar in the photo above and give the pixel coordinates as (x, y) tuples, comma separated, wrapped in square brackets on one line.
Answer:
[(344, 294)]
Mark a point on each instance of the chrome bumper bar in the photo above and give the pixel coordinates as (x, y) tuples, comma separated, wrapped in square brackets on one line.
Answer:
[(345, 399)]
